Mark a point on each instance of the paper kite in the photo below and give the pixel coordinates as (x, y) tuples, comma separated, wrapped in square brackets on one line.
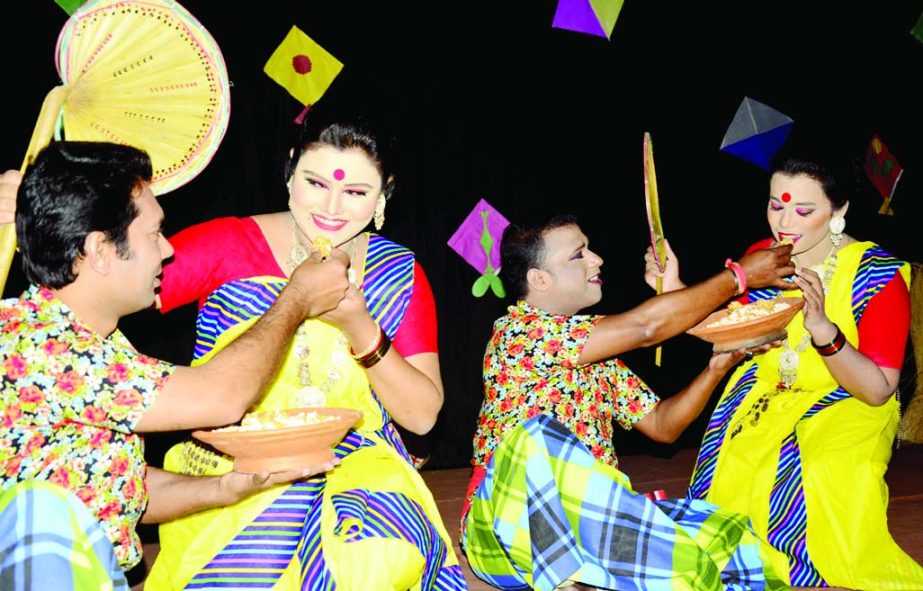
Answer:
[(593, 17), (881, 166), (477, 240), (69, 6), (757, 133), (303, 68), (917, 30)]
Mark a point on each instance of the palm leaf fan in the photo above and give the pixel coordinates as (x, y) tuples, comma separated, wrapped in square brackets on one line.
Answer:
[(652, 203), (141, 73)]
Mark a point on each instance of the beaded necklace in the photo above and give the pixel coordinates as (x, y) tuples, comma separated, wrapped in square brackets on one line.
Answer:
[(789, 358), (312, 394)]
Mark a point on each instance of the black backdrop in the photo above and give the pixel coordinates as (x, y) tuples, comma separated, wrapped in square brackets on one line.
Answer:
[(488, 101)]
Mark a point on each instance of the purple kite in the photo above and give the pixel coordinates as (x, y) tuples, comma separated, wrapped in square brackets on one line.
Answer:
[(477, 240)]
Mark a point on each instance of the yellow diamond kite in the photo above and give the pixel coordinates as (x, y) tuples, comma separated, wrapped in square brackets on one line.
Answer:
[(302, 67)]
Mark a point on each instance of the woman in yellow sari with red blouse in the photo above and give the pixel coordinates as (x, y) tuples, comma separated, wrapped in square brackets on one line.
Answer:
[(370, 523), (801, 437)]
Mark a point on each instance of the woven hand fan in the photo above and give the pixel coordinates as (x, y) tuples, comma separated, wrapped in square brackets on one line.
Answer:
[(653, 208), (142, 73), (149, 75), (653, 217)]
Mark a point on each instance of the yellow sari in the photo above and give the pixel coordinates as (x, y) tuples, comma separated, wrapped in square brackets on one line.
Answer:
[(398, 543), (806, 463)]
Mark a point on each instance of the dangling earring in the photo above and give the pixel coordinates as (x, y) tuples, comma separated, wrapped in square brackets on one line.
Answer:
[(837, 225), (380, 212)]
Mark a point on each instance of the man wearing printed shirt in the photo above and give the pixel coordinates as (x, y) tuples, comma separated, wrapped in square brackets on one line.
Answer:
[(546, 506), (74, 393)]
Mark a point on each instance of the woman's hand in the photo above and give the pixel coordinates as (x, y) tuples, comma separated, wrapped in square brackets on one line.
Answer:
[(670, 273), (351, 313), (820, 327)]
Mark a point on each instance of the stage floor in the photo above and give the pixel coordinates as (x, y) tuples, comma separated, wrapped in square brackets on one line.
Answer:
[(904, 477)]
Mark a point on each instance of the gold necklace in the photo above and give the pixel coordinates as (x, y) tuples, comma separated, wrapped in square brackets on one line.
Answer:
[(790, 357), (311, 394), (299, 252)]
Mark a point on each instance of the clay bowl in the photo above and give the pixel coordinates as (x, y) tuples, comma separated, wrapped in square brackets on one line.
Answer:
[(747, 334), (287, 448)]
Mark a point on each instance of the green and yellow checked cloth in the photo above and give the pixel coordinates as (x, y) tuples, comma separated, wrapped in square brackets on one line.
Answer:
[(548, 512)]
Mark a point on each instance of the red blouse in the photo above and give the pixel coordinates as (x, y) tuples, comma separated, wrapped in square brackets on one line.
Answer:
[(213, 253)]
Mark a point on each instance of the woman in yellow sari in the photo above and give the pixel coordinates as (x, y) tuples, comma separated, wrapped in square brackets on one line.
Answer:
[(370, 523), (802, 435)]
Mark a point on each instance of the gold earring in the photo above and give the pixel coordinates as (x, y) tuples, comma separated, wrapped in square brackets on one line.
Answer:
[(380, 212), (837, 225)]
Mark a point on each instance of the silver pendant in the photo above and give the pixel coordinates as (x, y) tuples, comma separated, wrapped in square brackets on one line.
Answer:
[(788, 360)]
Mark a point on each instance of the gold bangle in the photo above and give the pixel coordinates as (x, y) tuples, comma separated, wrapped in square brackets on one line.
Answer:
[(384, 344), (372, 346)]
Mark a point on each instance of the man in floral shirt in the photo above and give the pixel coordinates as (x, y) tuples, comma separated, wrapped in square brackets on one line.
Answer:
[(546, 504), (75, 394)]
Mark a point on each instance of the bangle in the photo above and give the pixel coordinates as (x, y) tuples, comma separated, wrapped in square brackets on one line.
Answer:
[(736, 283), (834, 346), (377, 354), (372, 346), (740, 278)]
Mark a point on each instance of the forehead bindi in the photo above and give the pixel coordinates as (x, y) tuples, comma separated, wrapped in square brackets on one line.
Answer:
[(801, 189), (350, 167)]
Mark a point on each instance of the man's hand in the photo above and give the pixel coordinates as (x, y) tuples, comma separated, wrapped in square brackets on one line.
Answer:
[(236, 486), (173, 495), (9, 186), (320, 283), (722, 362), (769, 267), (670, 273)]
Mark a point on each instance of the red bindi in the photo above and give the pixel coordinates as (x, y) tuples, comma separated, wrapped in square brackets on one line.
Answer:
[(338, 174), (786, 197)]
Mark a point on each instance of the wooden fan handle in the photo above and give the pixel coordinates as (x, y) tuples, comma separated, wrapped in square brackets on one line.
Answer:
[(41, 135)]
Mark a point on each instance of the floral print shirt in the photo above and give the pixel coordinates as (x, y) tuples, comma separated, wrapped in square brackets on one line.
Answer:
[(69, 400), (531, 367)]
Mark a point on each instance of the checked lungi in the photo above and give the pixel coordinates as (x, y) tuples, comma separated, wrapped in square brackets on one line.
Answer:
[(548, 512)]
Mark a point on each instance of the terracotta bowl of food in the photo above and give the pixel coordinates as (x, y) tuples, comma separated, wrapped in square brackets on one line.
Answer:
[(751, 325), (282, 440)]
